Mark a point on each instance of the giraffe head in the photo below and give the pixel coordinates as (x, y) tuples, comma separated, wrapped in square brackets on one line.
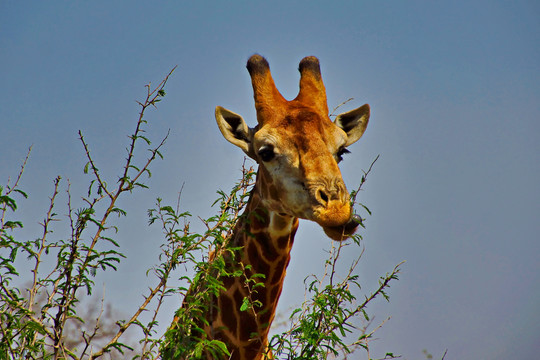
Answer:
[(298, 147)]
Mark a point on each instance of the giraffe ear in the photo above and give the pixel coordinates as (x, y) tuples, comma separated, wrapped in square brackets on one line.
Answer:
[(234, 129), (354, 123)]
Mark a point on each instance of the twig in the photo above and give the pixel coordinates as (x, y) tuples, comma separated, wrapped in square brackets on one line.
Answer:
[(133, 319), (88, 340), (363, 180), (151, 98), (35, 282), (10, 189), (340, 105), (94, 168)]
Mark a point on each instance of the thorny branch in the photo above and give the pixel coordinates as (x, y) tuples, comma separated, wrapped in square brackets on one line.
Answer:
[(77, 258), (10, 189)]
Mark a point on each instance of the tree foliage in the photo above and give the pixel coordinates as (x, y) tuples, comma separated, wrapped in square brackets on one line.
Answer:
[(45, 320)]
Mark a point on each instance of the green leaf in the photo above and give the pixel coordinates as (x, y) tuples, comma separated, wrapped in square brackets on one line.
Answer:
[(366, 208), (118, 211), (9, 202), (13, 224), (141, 185), (21, 192), (198, 350), (221, 346), (148, 142), (245, 304)]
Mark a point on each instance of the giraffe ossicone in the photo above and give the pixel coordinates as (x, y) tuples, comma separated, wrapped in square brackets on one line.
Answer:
[(297, 148)]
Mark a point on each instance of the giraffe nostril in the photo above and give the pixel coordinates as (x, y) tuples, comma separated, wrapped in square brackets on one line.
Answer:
[(323, 196)]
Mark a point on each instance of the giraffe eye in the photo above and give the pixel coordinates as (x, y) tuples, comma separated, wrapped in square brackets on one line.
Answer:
[(266, 153), (342, 151)]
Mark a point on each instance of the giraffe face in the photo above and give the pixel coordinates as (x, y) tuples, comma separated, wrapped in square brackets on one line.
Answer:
[(298, 156), (298, 148)]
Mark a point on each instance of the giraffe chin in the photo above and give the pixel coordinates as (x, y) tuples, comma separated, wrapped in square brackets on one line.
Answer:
[(342, 232)]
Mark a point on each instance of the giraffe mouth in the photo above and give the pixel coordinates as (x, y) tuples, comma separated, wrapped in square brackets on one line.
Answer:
[(342, 232)]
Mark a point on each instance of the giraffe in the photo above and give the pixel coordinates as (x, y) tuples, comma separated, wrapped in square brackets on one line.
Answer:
[(297, 148)]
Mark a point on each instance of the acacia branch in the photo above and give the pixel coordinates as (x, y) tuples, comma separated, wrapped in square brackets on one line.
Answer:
[(131, 321), (10, 189), (93, 166), (363, 180), (151, 99)]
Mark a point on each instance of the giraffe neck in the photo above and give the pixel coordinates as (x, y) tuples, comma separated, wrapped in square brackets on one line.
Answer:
[(266, 239)]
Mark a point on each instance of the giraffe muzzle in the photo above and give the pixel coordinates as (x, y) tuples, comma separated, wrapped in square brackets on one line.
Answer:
[(342, 232)]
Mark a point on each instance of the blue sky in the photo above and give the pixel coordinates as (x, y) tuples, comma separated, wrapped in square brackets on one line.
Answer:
[(453, 87)]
